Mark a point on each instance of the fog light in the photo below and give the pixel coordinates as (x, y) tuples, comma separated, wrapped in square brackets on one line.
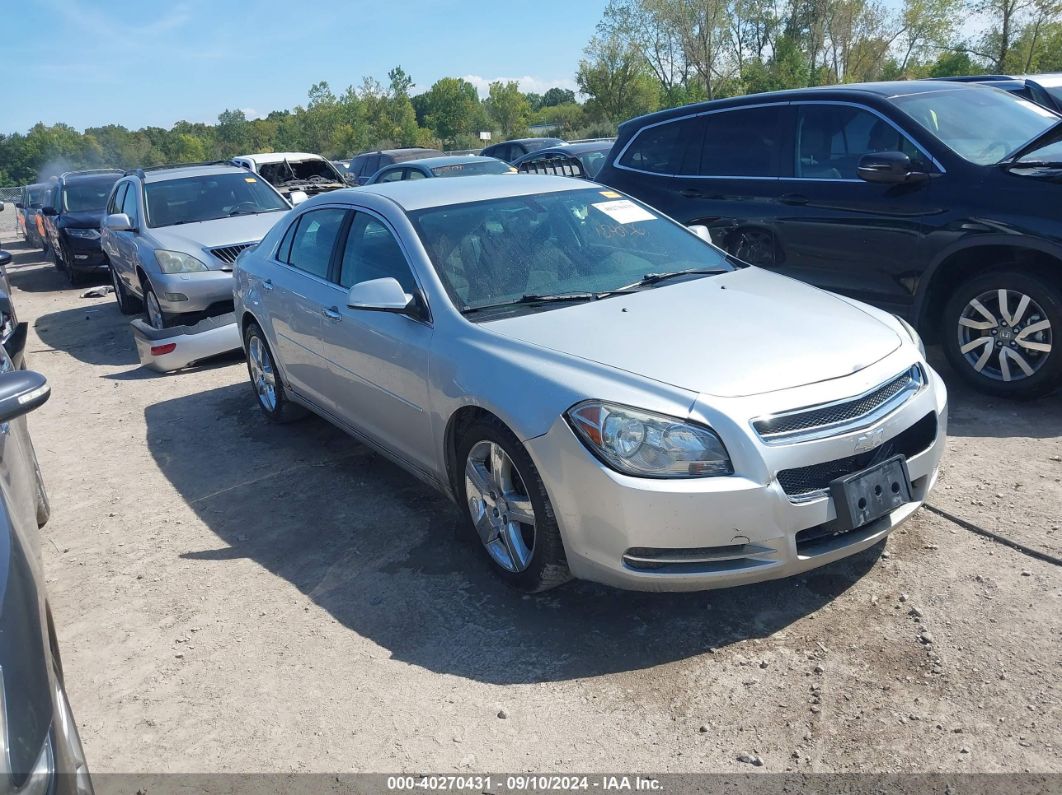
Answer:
[(175, 296)]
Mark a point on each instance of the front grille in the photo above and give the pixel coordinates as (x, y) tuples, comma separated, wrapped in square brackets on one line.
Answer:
[(828, 418), (229, 254), (805, 482)]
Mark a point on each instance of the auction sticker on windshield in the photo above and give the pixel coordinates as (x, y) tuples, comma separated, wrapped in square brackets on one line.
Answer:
[(624, 211)]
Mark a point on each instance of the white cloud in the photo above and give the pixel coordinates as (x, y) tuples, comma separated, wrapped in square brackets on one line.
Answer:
[(251, 114), (528, 83)]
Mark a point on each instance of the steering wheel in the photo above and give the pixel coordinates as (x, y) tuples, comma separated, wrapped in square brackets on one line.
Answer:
[(242, 206)]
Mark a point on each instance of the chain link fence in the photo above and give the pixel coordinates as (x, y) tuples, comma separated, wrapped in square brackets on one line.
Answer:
[(10, 194)]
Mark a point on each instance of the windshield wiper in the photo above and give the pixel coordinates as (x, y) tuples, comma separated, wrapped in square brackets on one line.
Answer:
[(536, 298), (655, 278)]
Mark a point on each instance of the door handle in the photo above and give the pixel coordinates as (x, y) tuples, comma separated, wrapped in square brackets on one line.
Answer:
[(793, 198), (332, 313), (267, 284), (691, 193)]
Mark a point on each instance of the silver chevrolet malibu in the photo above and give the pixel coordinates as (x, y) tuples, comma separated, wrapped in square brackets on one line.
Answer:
[(603, 393)]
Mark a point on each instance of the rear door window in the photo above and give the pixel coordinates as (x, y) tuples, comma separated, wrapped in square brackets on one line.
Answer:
[(742, 143)]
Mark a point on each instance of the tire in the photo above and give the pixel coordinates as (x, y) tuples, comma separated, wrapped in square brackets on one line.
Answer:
[(57, 260), (128, 304), (261, 364), (75, 277), (153, 313), (528, 556), (988, 341)]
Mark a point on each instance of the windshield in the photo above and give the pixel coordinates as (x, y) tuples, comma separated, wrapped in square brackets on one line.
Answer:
[(982, 126), (494, 252), (299, 170), (469, 169), (87, 195), (205, 198)]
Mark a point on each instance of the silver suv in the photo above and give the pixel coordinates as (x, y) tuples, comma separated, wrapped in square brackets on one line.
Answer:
[(172, 233)]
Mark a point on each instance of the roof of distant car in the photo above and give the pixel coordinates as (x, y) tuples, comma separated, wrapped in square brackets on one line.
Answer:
[(445, 160), (552, 141), (422, 193), (576, 149), (1050, 80), (199, 170), (280, 157), (101, 174), (403, 150)]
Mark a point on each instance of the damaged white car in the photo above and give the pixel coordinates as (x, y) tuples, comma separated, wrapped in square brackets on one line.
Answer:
[(297, 175)]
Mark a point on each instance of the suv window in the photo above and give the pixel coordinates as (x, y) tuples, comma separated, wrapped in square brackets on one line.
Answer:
[(663, 149), (830, 139), (742, 143), (371, 252), (129, 206), (115, 204), (314, 239)]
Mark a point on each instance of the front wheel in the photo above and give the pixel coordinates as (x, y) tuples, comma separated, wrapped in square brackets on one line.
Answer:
[(998, 333), (505, 502), (128, 304), (266, 380), (152, 308)]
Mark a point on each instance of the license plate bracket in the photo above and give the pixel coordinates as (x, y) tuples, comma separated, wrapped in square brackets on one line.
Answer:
[(869, 494)]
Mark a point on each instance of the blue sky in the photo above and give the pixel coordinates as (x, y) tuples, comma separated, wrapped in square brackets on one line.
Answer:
[(153, 62)]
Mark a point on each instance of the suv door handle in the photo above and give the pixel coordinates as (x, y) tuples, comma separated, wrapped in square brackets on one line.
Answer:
[(332, 313), (793, 198), (267, 284)]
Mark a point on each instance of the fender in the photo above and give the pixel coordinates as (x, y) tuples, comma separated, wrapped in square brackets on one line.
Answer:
[(971, 242)]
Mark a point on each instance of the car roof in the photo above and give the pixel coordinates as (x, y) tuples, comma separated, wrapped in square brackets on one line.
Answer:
[(1048, 80), (421, 193), (402, 150), (444, 160), (280, 157), (575, 149), (528, 140), (884, 90), (177, 172), (102, 174)]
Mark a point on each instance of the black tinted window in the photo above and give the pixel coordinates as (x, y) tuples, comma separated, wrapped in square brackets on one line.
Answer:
[(830, 139), (371, 252), (663, 149), (314, 239), (742, 143)]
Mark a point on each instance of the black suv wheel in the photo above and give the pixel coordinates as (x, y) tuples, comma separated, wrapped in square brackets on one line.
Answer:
[(1000, 332)]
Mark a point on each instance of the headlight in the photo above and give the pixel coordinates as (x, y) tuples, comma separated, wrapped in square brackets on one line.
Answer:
[(646, 444), (84, 234), (176, 262), (913, 335)]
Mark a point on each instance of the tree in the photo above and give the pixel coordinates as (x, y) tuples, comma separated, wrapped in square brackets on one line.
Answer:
[(617, 81), (556, 96), (232, 132), (451, 108), (508, 107)]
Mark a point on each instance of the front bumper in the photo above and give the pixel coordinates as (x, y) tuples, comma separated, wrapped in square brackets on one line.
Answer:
[(685, 535), (82, 254), (181, 293)]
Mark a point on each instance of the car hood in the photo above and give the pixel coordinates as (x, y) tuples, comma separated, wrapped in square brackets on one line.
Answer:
[(218, 232), (87, 219), (737, 334)]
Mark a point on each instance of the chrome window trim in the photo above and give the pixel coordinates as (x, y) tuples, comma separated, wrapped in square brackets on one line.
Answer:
[(918, 382), (849, 103)]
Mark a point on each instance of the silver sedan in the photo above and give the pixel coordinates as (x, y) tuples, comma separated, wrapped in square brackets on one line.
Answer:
[(602, 392)]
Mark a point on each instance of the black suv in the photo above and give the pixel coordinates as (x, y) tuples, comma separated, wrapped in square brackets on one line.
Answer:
[(73, 217), (937, 201)]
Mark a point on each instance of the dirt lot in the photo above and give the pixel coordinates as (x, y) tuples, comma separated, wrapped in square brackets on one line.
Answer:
[(233, 596)]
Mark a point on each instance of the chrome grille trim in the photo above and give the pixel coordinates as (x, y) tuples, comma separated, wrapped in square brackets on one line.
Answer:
[(228, 254), (840, 416)]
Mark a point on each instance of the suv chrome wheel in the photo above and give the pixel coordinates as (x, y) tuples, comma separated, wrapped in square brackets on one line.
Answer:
[(154, 311), (1004, 335), (499, 505), (262, 374)]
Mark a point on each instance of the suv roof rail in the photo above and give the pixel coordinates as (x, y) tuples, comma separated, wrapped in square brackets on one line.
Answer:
[(88, 171), (162, 166)]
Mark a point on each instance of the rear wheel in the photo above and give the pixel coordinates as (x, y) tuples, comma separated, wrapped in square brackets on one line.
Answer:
[(266, 381), (999, 332), (128, 304), (506, 505)]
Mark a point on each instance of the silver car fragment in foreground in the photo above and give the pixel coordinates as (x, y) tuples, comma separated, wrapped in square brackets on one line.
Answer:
[(602, 392)]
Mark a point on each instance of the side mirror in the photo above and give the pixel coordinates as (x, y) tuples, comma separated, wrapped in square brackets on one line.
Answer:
[(50, 211), (22, 391), (118, 222), (5, 259), (297, 197), (18, 206), (701, 231), (381, 295), (888, 167)]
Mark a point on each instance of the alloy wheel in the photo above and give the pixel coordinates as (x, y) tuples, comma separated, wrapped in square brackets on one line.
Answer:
[(154, 311), (263, 375), (499, 505), (1004, 335)]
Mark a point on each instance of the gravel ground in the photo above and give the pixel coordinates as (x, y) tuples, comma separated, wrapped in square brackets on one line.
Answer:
[(234, 596)]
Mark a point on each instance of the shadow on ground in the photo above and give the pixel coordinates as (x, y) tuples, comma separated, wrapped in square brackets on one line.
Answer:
[(976, 415), (32, 271), (379, 551)]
